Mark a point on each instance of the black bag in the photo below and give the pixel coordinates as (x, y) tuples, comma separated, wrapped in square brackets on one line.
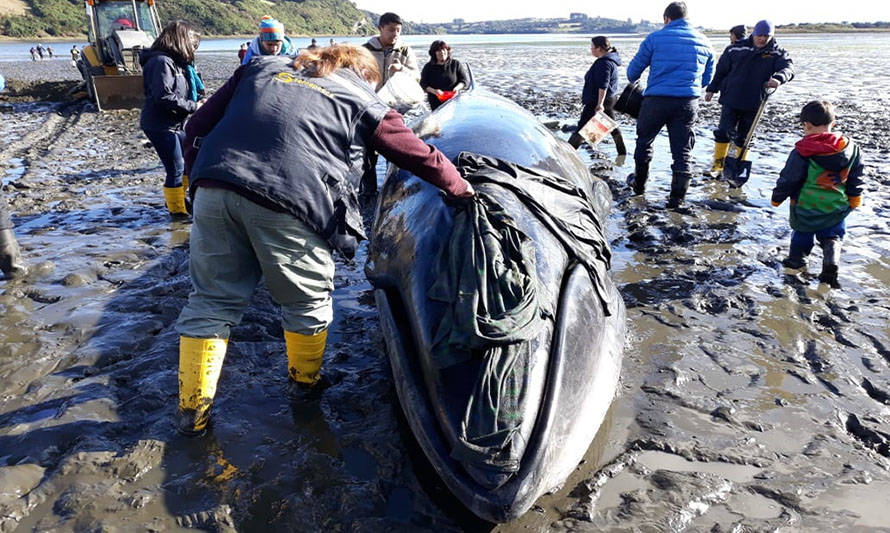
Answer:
[(631, 100)]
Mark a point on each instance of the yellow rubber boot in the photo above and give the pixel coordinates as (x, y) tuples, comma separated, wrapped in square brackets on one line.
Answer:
[(200, 362), (304, 356), (185, 194), (175, 199), (720, 151)]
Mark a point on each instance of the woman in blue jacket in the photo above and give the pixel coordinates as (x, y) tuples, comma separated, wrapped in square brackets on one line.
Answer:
[(600, 89), (172, 92)]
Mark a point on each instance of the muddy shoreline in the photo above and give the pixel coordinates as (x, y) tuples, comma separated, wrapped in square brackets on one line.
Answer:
[(751, 399)]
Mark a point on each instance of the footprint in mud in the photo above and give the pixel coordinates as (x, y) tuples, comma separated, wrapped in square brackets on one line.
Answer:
[(875, 393), (876, 440)]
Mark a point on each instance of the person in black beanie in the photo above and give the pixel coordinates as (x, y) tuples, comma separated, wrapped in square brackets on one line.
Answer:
[(737, 33)]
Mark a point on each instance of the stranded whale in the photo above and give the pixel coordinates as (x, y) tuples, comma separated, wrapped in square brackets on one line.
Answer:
[(506, 418)]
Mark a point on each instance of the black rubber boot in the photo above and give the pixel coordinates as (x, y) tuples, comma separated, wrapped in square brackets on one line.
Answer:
[(679, 186), (637, 180), (795, 259), (11, 262), (831, 255), (575, 140), (674, 202), (619, 142), (829, 276)]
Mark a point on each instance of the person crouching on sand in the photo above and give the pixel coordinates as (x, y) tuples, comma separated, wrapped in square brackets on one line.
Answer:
[(272, 200)]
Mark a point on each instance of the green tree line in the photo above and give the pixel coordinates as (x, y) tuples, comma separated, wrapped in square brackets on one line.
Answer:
[(65, 18)]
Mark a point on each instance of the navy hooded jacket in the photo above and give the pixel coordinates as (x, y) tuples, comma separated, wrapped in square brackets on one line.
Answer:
[(603, 74), (743, 69), (166, 87)]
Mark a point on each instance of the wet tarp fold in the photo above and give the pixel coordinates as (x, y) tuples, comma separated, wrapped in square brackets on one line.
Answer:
[(486, 276)]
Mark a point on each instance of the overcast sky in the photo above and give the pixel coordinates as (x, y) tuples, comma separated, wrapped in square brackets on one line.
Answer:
[(708, 13)]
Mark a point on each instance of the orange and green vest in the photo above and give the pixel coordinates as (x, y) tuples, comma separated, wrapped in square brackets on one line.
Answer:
[(823, 200)]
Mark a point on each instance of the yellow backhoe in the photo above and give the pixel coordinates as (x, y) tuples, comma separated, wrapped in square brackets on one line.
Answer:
[(118, 31)]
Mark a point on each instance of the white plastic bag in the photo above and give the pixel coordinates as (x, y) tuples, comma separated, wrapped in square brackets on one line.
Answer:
[(401, 92), (597, 127)]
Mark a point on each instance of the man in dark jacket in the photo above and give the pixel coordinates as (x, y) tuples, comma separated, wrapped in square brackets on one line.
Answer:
[(680, 62), (744, 71)]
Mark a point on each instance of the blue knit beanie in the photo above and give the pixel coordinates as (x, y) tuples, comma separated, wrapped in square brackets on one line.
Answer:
[(271, 29), (764, 27)]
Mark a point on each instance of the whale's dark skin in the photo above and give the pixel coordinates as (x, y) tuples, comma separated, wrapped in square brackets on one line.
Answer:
[(577, 357)]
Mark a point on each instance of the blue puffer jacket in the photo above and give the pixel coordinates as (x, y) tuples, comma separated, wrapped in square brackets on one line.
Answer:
[(603, 74), (680, 61)]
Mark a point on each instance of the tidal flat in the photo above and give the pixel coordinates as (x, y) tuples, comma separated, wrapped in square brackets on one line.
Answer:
[(752, 398)]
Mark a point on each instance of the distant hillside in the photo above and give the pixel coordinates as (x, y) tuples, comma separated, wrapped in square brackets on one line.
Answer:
[(834, 27), (577, 23), (214, 17)]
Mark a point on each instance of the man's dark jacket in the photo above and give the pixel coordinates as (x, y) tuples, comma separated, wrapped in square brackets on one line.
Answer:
[(743, 69)]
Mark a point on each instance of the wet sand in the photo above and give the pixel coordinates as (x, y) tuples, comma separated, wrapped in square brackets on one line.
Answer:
[(752, 398)]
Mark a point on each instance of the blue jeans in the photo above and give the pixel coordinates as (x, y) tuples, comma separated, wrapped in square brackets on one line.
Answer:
[(233, 244), (168, 145), (802, 241), (679, 115)]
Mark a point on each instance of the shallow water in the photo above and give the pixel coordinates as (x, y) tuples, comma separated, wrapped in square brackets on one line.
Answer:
[(751, 398)]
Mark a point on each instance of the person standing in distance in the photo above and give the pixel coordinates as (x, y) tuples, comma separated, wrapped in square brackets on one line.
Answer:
[(680, 62), (737, 33), (392, 56)]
